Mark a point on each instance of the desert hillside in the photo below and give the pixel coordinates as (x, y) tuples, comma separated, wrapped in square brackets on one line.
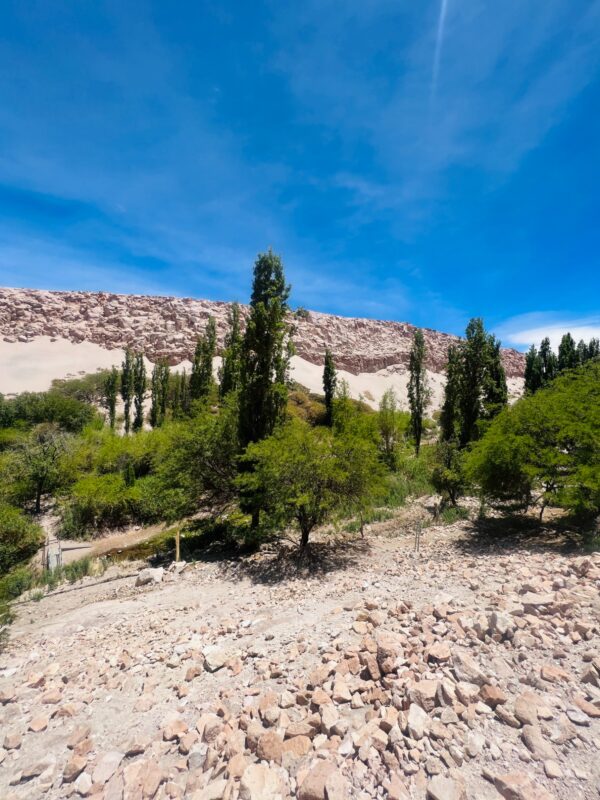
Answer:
[(45, 335)]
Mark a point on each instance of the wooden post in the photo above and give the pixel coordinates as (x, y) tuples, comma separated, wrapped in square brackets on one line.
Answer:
[(177, 547)]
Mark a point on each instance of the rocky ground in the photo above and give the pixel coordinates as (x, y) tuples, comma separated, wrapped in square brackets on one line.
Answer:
[(470, 670)]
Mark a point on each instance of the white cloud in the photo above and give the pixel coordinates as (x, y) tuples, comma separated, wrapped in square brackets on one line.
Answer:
[(528, 329)]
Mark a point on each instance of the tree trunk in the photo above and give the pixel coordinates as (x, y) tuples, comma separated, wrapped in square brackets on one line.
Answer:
[(255, 519), (304, 539)]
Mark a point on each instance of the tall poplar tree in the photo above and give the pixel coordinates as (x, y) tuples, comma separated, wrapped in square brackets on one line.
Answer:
[(419, 394), (265, 352), (139, 391), (533, 370), (229, 374), (127, 387), (449, 415), (201, 379), (549, 362), (111, 388), (567, 353), (160, 393), (495, 390), (474, 355), (329, 384)]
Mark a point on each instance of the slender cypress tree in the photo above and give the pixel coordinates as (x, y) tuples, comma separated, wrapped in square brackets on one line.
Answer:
[(533, 370), (449, 416), (139, 391), (229, 374), (549, 362), (160, 393), (567, 353), (419, 394), (111, 387), (329, 384), (582, 352), (593, 348), (201, 380), (127, 387), (474, 354), (495, 390), (265, 352)]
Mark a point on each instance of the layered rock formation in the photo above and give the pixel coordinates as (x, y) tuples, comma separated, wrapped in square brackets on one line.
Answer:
[(167, 327)]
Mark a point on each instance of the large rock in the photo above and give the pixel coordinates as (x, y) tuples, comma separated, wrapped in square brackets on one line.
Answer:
[(150, 575), (390, 651), (260, 783), (441, 788), (466, 669)]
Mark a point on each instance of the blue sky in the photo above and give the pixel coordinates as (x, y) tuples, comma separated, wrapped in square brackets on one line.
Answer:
[(425, 162)]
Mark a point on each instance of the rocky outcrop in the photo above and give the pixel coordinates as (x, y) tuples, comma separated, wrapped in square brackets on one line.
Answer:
[(167, 327)]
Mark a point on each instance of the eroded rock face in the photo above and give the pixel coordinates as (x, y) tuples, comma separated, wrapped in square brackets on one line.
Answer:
[(167, 327)]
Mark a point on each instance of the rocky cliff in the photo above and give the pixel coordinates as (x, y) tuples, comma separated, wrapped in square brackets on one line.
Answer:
[(167, 327)]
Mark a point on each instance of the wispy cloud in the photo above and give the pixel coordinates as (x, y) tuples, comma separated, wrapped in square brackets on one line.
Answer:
[(527, 329)]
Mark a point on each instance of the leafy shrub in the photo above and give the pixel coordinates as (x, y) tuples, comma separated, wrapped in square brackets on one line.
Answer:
[(546, 448), (19, 538), (16, 582), (34, 408)]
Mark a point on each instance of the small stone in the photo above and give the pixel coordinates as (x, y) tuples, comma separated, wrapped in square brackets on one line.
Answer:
[(39, 723), (214, 658), (552, 769), (106, 766), (74, 767)]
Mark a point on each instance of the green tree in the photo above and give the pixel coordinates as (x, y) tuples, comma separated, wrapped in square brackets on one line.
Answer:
[(127, 388), (304, 475), (19, 538), (139, 391), (201, 379), (549, 362), (159, 393), (533, 370), (329, 384), (473, 364), (265, 352), (546, 448), (593, 349), (419, 395), (229, 373), (111, 387), (448, 475), (39, 460), (450, 412), (495, 391), (389, 427), (567, 353)]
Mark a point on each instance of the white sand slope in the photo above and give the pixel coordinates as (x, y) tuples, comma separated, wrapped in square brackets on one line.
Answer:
[(32, 366)]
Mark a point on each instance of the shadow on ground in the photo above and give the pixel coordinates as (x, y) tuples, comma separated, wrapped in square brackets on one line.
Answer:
[(518, 532), (281, 562)]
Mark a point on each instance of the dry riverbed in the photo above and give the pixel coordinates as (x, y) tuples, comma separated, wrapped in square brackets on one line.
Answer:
[(471, 670)]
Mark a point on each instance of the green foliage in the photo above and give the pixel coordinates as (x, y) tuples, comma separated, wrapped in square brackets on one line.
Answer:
[(160, 393), (303, 475), (139, 391), (329, 384), (419, 395), (198, 463), (111, 386), (229, 373), (305, 406), (33, 408), (38, 461), (265, 352), (201, 379), (393, 426), (476, 388), (20, 538), (449, 415), (448, 475), (302, 313), (127, 387), (546, 448), (543, 366), (89, 389)]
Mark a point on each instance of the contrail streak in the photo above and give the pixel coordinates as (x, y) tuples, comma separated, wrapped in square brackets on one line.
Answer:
[(438, 47)]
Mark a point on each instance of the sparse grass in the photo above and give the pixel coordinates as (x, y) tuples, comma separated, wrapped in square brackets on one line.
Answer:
[(374, 515), (452, 514), (23, 579)]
